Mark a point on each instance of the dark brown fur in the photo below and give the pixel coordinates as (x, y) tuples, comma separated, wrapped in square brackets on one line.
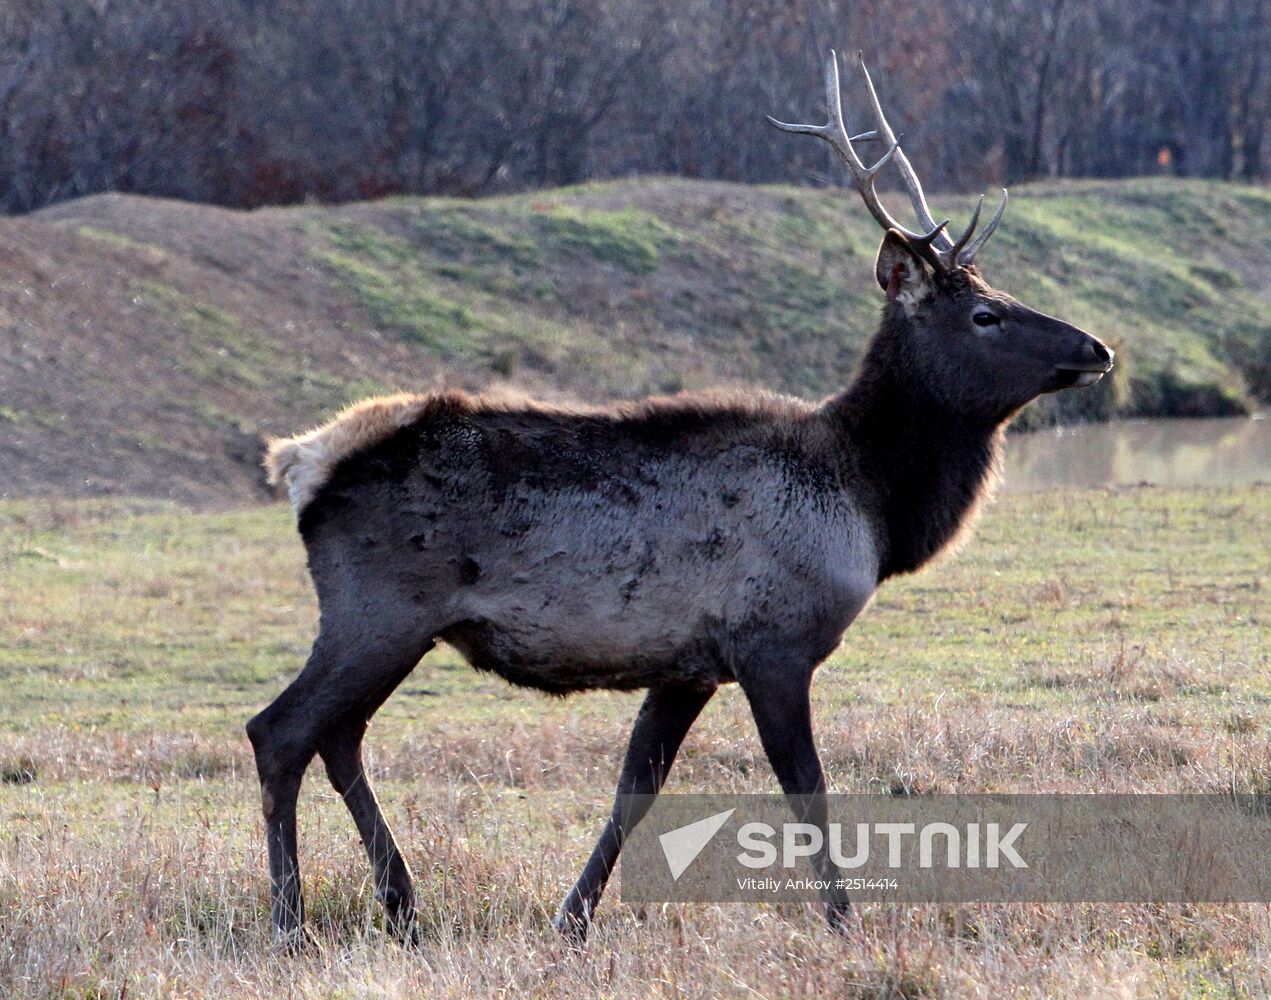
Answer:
[(674, 544)]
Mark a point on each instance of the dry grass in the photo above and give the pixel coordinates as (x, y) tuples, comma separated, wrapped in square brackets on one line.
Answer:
[(164, 896), (1105, 642)]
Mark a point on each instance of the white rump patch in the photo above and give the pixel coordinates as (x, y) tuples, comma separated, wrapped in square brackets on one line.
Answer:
[(307, 460)]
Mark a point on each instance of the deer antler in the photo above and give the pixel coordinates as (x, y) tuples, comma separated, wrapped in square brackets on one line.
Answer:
[(946, 252), (835, 133)]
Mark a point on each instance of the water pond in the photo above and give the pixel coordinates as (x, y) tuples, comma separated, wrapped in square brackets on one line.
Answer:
[(1218, 452)]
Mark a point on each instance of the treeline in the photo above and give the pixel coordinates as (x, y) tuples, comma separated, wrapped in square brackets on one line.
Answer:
[(251, 102)]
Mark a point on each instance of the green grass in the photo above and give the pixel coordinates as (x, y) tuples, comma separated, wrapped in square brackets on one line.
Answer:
[(149, 251), (401, 305), (218, 345), (218, 348), (464, 296), (257, 323), (131, 612), (628, 239), (775, 285), (1096, 641), (461, 231), (242, 325)]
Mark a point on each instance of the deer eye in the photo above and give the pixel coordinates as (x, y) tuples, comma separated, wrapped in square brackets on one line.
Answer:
[(983, 317)]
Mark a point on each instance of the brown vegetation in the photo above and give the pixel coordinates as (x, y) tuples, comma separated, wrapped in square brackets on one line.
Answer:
[(238, 102), (135, 638)]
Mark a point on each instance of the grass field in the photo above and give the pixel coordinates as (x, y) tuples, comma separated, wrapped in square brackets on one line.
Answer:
[(1095, 641)]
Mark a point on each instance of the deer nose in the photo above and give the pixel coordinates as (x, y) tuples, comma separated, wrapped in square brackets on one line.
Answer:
[(1098, 352)]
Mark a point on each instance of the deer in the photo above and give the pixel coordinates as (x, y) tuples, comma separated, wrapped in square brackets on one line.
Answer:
[(672, 545)]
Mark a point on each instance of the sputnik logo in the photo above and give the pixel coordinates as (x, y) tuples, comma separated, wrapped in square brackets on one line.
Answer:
[(682, 845)]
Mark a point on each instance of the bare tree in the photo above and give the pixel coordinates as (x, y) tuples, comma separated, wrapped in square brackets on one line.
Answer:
[(243, 103)]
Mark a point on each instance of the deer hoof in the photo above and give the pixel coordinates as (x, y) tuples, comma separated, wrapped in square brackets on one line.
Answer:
[(572, 927), (404, 929), (295, 940), (839, 916)]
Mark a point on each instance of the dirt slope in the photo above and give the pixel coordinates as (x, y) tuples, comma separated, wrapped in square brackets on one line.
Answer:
[(147, 346)]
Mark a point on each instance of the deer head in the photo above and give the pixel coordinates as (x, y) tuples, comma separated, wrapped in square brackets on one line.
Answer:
[(976, 349)]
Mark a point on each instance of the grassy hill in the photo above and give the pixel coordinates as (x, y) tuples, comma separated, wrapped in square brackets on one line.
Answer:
[(146, 346)]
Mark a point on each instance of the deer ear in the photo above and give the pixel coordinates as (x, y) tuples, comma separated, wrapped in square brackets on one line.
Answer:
[(900, 271)]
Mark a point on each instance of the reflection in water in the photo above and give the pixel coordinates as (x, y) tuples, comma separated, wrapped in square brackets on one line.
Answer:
[(1221, 452)]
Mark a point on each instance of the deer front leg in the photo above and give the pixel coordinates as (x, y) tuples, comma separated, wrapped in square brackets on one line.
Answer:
[(780, 703), (664, 719)]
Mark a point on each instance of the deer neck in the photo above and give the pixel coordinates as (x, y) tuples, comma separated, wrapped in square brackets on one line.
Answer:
[(918, 467)]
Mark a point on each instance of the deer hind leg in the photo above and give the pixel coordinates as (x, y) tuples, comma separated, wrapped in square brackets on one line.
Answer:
[(341, 752), (664, 719), (346, 671)]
